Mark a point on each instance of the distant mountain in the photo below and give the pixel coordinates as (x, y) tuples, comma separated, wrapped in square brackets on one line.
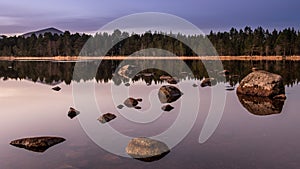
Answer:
[(43, 31)]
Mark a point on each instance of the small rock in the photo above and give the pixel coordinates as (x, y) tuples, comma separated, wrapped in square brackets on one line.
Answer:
[(37, 144), (229, 88), (130, 102), (127, 84), (106, 118), (146, 149), (138, 107), (120, 106), (56, 88), (73, 112), (254, 69), (169, 94), (208, 82), (167, 108), (139, 99), (195, 85)]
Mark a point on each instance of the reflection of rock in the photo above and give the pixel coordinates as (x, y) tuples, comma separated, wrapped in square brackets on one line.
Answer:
[(261, 83), (169, 79), (165, 77), (146, 149), (261, 105), (73, 112), (56, 88), (167, 108), (127, 71), (130, 102), (208, 82), (169, 94), (106, 117), (37, 144), (172, 80)]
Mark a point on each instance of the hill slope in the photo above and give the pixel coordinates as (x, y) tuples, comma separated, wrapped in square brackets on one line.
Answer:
[(43, 31)]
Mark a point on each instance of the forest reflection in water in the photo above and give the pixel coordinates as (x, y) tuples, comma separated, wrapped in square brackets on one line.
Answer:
[(55, 72)]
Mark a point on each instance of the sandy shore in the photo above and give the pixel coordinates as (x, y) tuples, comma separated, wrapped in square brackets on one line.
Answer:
[(76, 58)]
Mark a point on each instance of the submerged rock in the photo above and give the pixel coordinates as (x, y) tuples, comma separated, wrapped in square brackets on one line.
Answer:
[(37, 144), (167, 107), (146, 149), (261, 83), (261, 106), (131, 102), (56, 88), (169, 94), (73, 112), (208, 82), (195, 85), (106, 118), (120, 106)]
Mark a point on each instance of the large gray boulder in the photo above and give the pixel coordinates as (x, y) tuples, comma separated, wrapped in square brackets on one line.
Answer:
[(146, 149), (37, 144), (261, 83), (169, 94)]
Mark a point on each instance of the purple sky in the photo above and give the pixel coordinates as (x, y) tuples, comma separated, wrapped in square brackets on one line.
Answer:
[(19, 16)]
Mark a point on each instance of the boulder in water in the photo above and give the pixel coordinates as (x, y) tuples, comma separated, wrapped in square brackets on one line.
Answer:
[(73, 113), (169, 94), (37, 144), (261, 83), (146, 149), (106, 118)]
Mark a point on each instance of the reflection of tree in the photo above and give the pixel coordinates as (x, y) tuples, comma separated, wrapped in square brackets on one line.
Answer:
[(53, 72)]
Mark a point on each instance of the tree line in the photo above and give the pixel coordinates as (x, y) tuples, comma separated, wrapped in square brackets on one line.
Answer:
[(243, 42)]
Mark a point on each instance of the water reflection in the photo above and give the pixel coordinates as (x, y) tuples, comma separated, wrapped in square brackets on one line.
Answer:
[(261, 106), (57, 72)]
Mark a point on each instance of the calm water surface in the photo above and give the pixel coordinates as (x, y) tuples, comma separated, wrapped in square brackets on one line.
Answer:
[(242, 139)]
